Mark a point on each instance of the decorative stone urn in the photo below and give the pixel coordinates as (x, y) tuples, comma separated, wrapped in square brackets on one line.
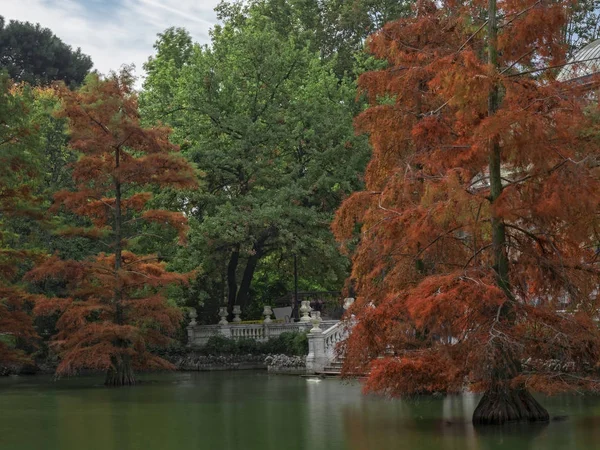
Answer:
[(193, 315), (237, 310), (223, 315), (348, 303), (305, 310), (315, 318), (267, 311)]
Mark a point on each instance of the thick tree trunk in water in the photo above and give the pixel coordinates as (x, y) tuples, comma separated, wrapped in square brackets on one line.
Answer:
[(121, 374), (503, 404)]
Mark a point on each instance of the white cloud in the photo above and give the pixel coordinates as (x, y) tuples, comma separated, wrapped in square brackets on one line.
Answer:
[(118, 32)]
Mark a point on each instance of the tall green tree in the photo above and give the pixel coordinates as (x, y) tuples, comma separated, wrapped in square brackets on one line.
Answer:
[(35, 55), (270, 125), (336, 29)]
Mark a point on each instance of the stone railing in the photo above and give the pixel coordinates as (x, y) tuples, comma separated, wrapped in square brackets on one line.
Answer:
[(323, 340), (199, 335)]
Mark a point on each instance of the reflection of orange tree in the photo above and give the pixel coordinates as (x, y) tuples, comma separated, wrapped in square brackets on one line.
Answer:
[(459, 285), (116, 306), (404, 425)]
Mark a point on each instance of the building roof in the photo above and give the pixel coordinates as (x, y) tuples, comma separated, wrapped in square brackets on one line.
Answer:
[(590, 63)]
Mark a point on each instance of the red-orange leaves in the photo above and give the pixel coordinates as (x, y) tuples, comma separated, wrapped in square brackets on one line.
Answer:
[(173, 219), (450, 305), (457, 281), (115, 305), (421, 372)]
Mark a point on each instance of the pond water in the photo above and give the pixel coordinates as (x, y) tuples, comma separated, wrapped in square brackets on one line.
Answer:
[(254, 410)]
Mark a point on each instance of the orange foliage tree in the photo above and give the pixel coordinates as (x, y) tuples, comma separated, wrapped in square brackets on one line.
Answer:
[(476, 265), (116, 306)]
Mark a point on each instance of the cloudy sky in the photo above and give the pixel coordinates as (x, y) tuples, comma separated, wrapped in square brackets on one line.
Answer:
[(114, 32)]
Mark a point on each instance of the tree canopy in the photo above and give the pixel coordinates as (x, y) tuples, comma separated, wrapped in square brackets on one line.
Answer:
[(35, 55), (114, 305), (270, 126), (19, 167), (477, 263)]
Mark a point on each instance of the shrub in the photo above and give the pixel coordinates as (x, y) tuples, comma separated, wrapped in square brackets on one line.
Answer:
[(288, 343)]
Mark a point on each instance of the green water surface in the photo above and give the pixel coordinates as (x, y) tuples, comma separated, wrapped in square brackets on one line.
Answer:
[(257, 411)]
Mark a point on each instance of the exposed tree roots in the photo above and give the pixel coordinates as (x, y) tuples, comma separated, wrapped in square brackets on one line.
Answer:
[(121, 374), (501, 404)]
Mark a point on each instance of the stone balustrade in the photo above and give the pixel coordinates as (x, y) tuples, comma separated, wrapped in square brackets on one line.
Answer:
[(199, 335)]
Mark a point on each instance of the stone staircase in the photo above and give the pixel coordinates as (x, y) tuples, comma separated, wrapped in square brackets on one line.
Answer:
[(334, 368)]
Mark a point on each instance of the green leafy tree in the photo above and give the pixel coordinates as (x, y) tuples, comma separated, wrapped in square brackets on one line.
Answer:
[(35, 55), (19, 175), (337, 29), (270, 125)]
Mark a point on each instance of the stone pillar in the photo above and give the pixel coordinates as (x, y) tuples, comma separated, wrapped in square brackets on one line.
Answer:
[(225, 328), (191, 327), (225, 331), (317, 358)]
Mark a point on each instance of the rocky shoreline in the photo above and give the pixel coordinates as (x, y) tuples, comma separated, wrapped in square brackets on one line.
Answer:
[(196, 361), (273, 363)]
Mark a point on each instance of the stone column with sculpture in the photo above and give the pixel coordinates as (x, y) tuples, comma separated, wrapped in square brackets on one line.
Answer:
[(316, 358)]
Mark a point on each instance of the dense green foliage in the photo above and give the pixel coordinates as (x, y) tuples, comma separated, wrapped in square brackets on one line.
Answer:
[(270, 125), (335, 29), (35, 55)]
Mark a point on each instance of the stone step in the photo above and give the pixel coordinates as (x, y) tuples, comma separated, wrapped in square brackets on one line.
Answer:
[(330, 372)]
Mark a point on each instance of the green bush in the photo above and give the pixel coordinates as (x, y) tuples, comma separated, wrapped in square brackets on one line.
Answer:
[(219, 345), (288, 343)]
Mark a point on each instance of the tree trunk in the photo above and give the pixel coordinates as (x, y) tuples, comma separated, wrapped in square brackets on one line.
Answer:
[(121, 372), (502, 402), (244, 291), (232, 277)]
